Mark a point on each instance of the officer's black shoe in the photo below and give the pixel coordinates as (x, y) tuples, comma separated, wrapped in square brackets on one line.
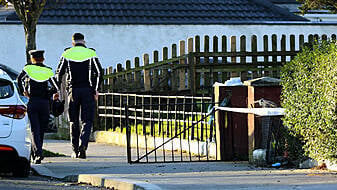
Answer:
[(74, 155), (38, 160), (82, 154)]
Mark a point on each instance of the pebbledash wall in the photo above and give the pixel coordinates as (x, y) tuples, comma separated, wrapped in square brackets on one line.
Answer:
[(117, 43)]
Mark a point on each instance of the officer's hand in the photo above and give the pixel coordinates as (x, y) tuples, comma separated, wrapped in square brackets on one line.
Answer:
[(96, 95), (26, 94), (56, 96)]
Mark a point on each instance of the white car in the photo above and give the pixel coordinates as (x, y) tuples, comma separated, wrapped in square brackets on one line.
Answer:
[(15, 142)]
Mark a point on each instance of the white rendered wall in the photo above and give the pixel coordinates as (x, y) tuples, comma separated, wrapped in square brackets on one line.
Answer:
[(117, 43)]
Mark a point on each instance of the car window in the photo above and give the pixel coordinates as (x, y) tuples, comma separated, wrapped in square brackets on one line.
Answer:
[(11, 72), (6, 89)]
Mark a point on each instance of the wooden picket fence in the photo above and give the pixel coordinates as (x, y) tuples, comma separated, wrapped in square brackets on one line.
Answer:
[(193, 72)]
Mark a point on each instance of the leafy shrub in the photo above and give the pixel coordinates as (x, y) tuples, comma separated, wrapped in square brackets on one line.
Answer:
[(309, 96)]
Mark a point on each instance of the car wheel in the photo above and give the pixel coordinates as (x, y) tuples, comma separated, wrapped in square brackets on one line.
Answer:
[(22, 169)]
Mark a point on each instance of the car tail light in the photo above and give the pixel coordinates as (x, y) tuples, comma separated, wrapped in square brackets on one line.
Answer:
[(6, 148), (16, 111)]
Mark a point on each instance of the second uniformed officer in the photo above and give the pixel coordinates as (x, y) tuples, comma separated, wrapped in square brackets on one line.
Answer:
[(37, 82), (83, 80)]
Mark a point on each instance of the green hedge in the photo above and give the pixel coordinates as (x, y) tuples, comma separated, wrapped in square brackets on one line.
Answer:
[(309, 96)]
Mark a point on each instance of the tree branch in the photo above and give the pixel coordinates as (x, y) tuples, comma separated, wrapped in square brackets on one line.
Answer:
[(19, 9)]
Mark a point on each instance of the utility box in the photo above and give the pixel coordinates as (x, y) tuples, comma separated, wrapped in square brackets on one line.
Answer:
[(238, 134)]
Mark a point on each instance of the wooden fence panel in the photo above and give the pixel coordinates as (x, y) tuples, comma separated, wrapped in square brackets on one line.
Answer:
[(193, 72)]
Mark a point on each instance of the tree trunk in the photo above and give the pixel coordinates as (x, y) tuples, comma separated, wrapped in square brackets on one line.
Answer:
[(30, 36)]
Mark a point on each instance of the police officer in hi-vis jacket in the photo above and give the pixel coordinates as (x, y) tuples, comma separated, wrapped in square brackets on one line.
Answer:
[(36, 81), (84, 75)]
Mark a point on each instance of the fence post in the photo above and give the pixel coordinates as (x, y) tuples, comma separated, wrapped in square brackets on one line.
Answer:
[(311, 39), (274, 49), (155, 71), (121, 77), (164, 74), (215, 59), (324, 37), (251, 124), (283, 48), (292, 45), (127, 68), (243, 58), (208, 69), (182, 62), (301, 42), (224, 59), (266, 57), (137, 74), (220, 131), (233, 58), (254, 57), (147, 80), (197, 61), (128, 134), (191, 65), (174, 71), (110, 80)]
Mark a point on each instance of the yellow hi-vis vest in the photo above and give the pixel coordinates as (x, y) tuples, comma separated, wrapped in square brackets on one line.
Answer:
[(38, 73), (79, 54)]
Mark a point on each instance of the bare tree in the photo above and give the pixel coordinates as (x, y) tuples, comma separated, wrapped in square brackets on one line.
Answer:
[(29, 12)]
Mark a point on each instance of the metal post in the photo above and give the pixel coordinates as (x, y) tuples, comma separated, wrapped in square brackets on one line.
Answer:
[(128, 134)]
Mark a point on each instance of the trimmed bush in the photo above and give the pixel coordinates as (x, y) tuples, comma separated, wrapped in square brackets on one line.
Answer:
[(309, 96)]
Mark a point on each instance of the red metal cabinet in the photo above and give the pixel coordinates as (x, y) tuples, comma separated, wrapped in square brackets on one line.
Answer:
[(238, 134)]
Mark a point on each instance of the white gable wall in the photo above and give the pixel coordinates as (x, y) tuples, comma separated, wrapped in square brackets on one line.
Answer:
[(117, 43)]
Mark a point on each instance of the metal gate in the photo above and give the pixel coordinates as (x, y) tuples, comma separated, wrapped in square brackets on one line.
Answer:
[(164, 128)]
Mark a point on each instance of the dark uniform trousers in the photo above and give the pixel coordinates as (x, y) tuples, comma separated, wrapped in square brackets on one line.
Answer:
[(81, 100), (38, 114)]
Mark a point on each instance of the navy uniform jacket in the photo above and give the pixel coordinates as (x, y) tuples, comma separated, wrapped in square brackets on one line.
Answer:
[(38, 80), (82, 66)]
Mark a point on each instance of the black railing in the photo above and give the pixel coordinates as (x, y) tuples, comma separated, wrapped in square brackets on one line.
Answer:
[(161, 128)]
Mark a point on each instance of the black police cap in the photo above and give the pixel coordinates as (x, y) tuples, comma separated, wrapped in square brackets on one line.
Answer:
[(78, 36), (36, 53)]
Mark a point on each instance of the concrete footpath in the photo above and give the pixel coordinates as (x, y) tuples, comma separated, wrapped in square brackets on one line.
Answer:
[(106, 166)]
